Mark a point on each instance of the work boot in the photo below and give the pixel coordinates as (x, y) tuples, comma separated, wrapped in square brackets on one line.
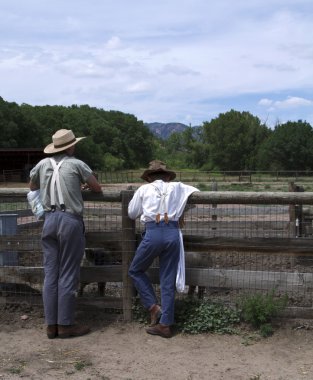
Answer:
[(162, 330), (71, 331), (155, 314), (52, 331)]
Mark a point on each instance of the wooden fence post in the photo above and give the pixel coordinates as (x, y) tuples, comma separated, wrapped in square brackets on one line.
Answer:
[(128, 250), (296, 211)]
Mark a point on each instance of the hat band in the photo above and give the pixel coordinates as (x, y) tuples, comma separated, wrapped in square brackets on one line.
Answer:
[(65, 144)]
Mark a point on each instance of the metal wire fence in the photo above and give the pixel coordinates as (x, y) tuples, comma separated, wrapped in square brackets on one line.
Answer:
[(234, 244)]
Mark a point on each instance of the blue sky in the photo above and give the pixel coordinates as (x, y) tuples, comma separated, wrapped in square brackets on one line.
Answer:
[(168, 60)]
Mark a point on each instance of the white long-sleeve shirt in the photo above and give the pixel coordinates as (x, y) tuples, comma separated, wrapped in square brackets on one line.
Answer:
[(160, 197)]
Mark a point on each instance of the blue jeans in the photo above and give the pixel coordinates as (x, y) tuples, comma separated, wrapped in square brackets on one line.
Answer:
[(160, 240)]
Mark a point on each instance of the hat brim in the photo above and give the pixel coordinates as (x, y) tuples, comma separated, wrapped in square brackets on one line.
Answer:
[(51, 149), (145, 175)]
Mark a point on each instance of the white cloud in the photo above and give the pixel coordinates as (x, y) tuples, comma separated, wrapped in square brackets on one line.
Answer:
[(172, 60), (265, 102), (289, 102), (293, 101)]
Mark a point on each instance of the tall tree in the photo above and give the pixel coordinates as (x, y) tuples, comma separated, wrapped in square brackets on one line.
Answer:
[(233, 139), (289, 147)]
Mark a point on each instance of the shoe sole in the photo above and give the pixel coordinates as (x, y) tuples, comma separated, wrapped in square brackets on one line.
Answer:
[(66, 336), (158, 334)]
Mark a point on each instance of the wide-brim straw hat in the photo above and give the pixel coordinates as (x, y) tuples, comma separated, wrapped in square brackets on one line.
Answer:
[(157, 166), (61, 140)]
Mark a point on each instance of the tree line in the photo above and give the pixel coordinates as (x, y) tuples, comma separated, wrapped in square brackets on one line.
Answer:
[(117, 141)]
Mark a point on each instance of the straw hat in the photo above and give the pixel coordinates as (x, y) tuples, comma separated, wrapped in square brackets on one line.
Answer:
[(157, 166), (62, 139)]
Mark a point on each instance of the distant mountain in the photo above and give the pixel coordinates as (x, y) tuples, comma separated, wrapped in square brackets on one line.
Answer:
[(164, 130)]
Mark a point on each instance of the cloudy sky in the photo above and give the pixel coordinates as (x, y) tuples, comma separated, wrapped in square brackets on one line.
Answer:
[(168, 60)]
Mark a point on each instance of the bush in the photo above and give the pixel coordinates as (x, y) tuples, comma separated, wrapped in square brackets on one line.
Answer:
[(195, 316), (259, 309)]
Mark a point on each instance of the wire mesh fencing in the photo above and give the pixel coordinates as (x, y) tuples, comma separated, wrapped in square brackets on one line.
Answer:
[(235, 244)]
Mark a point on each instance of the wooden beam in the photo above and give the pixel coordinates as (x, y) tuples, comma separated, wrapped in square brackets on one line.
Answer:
[(249, 197), (201, 197), (35, 275), (273, 245), (20, 243), (128, 250), (242, 279)]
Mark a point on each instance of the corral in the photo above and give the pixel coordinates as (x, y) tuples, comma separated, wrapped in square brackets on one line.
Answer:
[(235, 242)]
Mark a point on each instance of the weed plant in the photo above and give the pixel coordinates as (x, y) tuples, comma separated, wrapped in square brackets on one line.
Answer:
[(193, 316), (259, 310)]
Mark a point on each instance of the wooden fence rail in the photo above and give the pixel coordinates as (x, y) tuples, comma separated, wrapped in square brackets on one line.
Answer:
[(126, 238)]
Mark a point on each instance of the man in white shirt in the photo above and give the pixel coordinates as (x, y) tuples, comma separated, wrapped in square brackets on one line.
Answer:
[(160, 204)]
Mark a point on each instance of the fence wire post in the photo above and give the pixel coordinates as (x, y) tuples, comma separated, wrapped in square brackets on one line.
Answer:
[(128, 250)]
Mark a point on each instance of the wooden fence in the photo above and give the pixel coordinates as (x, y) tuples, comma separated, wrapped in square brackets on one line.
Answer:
[(234, 241)]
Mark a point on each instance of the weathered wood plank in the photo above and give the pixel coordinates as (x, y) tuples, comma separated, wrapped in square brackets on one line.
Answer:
[(242, 279), (35, 275), (128, 249), (20, 243), (20, 195), (201, 197), (273, 245), (199, 243), (217, 278), (249, 197), (82, 303)]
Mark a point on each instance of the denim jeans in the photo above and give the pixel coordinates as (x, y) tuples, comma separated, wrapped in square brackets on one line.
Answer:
[(160, 240)]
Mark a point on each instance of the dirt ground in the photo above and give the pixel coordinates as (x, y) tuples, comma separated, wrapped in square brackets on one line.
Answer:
[(117, 350)]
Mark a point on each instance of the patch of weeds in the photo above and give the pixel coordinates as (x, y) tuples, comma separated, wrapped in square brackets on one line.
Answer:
[(259, 309), (17, 369), (250, 339), (81, 365), (139, 312), (200, 316), (194, 316)]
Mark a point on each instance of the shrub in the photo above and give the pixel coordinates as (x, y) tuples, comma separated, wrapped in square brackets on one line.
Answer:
[(259, 309)]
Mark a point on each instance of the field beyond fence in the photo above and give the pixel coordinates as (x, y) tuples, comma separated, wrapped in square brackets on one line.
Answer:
[(236, 243)]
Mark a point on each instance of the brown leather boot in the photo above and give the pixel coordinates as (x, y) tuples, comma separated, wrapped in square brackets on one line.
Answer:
[(72, 331), (52, 331), (162, 330), (155, 314)]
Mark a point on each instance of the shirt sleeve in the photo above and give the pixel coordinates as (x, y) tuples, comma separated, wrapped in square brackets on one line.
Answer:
[(185, 191), (84, 171), (135, 205), (34, 175)]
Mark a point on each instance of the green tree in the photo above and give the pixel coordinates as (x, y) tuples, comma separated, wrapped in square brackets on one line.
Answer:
[(233, 139), (289, 147), (115, 140)]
